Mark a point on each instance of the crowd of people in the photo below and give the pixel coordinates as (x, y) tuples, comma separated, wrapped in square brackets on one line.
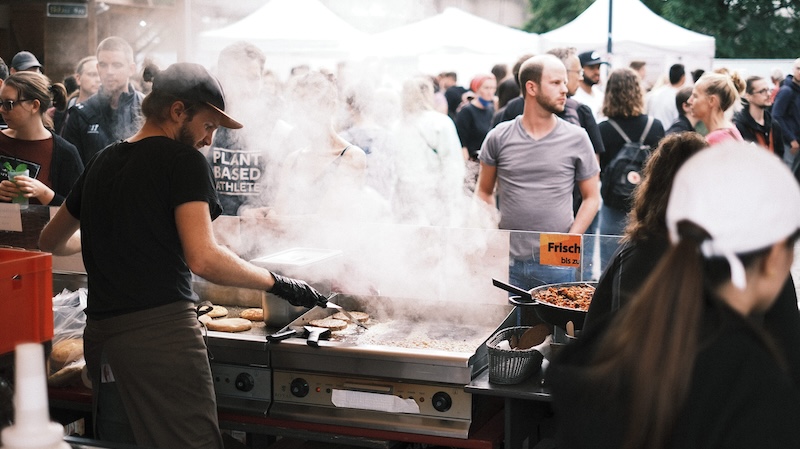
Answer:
[(522, 151), (348, 146), (374, 121)]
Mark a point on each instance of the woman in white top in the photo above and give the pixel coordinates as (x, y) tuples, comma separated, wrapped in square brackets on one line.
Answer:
[(428, 160)]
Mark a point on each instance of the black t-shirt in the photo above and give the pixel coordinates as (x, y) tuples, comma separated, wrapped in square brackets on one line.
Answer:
[(126, 200), (633, 127), (453, 96), (472, 124)]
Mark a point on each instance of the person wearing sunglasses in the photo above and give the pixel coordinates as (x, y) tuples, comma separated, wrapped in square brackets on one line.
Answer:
[(754, 121), (53, 163)]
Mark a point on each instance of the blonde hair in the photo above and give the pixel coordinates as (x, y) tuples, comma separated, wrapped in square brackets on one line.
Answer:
[(79, 67), (417, 95), (728, 87)]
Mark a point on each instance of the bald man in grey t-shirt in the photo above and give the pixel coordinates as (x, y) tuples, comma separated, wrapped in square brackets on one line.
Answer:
[(536, 160)]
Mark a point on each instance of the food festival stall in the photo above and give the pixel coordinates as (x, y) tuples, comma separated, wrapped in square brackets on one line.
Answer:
[(406, 374)]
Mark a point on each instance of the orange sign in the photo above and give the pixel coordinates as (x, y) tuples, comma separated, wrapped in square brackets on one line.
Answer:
[(563, 250)]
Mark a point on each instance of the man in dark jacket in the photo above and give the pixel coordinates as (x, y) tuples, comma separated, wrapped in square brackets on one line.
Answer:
[(754, 120), (114, 112), (786, 110)]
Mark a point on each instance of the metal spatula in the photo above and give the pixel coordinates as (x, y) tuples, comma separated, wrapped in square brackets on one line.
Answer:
[(344, 311)]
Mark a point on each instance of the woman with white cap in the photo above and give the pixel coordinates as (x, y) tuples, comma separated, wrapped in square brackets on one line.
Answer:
[(687, 363)]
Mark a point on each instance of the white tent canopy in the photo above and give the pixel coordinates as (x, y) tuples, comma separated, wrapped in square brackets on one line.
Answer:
[(454, 32), (637, 33), (453, 40), (289, 32)]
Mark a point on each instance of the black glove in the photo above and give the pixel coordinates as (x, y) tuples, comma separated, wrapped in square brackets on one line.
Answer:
[(297, 292)]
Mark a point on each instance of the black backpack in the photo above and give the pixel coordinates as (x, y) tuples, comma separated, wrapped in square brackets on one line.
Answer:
[(623, 173)]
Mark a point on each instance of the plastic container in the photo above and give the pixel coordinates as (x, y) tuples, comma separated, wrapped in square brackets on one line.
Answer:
[(19, 199), (32, 428), (26, 297), (511, 366)]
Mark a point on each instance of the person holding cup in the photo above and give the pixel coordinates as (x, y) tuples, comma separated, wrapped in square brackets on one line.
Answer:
[(53, 164), (11, 175)]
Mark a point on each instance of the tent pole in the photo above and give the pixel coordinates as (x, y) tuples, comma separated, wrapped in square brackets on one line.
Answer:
[(610, 14)]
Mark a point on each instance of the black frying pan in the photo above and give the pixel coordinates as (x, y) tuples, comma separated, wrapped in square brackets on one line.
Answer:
[(548, 313)]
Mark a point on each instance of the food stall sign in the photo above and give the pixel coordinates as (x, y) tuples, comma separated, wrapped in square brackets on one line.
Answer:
[(70, 10), (563, 250)]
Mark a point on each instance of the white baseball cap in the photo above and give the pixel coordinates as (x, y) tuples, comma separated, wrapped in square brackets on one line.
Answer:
[(743, 196)]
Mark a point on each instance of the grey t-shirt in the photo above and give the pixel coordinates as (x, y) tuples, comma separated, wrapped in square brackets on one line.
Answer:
[(536, 177)]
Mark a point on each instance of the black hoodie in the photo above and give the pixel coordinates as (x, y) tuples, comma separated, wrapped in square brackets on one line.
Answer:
[(786, 110), (751, 130)]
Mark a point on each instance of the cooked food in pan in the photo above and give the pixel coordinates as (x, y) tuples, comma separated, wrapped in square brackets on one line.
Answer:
[(574, 296)]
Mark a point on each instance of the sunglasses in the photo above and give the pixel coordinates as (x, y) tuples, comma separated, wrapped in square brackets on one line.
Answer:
[(8, 105)]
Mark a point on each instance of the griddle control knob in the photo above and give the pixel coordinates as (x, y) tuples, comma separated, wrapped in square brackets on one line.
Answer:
[(245, 382), (299, 387), (441, 401)]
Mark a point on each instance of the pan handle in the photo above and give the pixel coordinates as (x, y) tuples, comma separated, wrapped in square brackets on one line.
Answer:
[(524, 294), (518, 301)]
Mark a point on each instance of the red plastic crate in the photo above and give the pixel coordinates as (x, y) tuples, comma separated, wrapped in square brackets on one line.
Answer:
[(26, 298)]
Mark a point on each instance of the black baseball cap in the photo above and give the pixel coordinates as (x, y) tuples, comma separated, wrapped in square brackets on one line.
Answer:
[(24, 60), (192, 82), (591, 58)]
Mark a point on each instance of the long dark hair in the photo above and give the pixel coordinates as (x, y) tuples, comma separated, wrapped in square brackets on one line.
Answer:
[(654, 341), (648, 217)]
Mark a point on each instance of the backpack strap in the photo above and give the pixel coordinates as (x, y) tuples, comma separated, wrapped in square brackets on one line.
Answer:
[(619, 130), (625, 136), (646, 129)]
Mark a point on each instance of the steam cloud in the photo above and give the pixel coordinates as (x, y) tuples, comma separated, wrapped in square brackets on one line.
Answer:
[(411, 230)]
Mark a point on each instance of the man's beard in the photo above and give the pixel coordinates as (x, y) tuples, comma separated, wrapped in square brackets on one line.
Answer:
[(185, 136), (550, 106)]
